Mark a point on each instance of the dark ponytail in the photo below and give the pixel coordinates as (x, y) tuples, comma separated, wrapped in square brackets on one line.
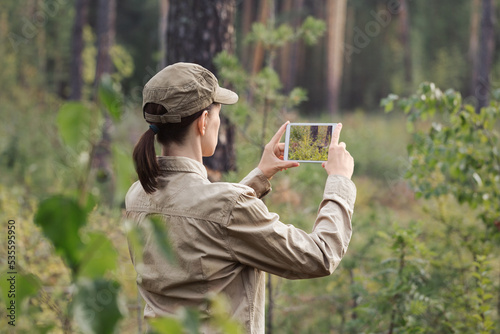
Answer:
[(146, 164), (145, 161)]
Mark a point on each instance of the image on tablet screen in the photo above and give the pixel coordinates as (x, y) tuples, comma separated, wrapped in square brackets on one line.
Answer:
[(309, 142)]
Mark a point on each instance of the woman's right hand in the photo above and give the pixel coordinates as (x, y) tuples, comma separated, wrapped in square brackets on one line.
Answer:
[(340, 161)]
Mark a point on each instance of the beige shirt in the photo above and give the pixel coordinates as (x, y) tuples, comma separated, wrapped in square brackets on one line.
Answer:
[(225, 239)]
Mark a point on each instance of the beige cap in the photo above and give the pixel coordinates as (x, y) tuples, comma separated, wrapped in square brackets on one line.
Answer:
[(184, 89)]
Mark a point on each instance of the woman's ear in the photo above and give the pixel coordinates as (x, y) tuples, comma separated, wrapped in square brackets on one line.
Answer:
[(202, 123)]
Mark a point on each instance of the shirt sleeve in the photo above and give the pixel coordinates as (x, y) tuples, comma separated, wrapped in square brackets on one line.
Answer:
[(258, 182), (258, 238)]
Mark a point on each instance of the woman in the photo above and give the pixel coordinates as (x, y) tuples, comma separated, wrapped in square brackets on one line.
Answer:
[(223, 235)]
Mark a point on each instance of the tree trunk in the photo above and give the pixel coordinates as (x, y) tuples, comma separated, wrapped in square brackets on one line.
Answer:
[(487, 46), (258, 55), (474, 42), (164, 8), (335, 16), (197, 32), (247, 17), (106, 18), (288, 54), (81, 10), (404, 33)]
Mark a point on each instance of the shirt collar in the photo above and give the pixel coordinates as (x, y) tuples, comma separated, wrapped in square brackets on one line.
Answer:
[(181, 164)]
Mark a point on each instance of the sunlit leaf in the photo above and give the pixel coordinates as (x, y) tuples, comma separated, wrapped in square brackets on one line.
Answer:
[(110, 97), (73, 123), (98, 257), (166, 325)]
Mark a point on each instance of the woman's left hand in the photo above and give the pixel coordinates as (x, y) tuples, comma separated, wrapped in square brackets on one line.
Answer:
[(272, 158)]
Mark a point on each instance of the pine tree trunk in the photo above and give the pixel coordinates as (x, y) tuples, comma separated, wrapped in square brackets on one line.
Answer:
[(486, 49), (247, 18), (474, 42), (81, 9), (335, 16), (163, 25), (105, 39), (258, 54), (288, 54), (197, 32), (404, 28), (106, 18)]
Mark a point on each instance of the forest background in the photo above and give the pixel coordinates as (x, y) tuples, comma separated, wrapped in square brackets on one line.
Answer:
[(424, 253)]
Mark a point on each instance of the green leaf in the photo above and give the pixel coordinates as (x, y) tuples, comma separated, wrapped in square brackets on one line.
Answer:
[(60, 219), (73, 124), (191, 321), (96, 306), (18, 287), (151, 227), (161, 237), (110, 97), (388, 102), (124, 170), (98, 257), (166, 325)]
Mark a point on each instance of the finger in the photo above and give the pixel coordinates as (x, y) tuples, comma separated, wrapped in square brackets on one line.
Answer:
[(342, 144), (336, 134), (288, 164), (279, 149), (277, 136)]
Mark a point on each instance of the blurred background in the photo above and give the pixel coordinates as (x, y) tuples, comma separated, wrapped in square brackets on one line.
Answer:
[(424, 253)]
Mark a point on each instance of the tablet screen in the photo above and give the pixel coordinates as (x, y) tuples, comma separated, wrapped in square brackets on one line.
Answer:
[(308, 142)]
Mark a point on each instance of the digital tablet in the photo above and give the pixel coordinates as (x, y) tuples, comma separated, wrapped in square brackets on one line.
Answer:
[(308, 142)]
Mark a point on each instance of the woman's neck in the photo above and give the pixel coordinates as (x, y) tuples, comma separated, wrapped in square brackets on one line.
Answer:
[(189, 149)]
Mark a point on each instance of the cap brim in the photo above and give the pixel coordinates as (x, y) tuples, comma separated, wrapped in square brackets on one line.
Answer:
[(225, 96)]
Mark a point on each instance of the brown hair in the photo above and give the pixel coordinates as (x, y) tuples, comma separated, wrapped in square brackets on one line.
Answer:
[(146, 164)]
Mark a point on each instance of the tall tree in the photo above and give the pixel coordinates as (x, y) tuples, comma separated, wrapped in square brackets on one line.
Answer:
[(335, 15), (288, 64), (475, 17), (81, 9), (197, 31), (164, 4), (106, 19), (264, 18), (247, 12), (486, 48), (404, 35)]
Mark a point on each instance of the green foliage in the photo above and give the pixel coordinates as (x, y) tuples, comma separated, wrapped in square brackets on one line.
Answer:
[(61, 219), (26, 286), (276, 37), (110, 97), (190, 321), (96, 306), (401, 280), (152, 227), (454, 154), (98, 258), (74, 125)]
